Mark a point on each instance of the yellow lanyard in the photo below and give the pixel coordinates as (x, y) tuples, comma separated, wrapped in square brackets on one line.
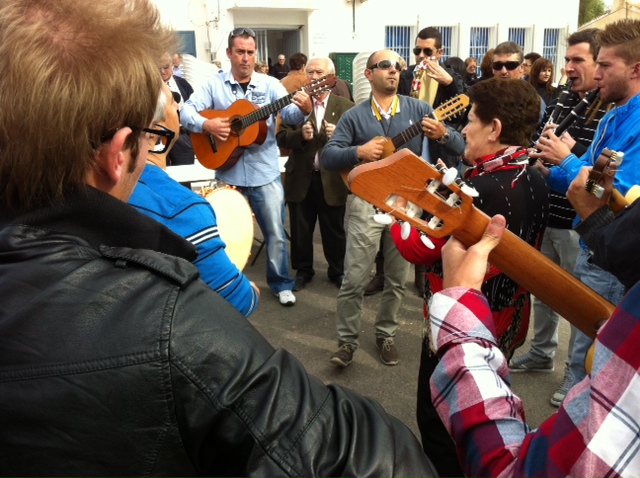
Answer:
[(376, 108)]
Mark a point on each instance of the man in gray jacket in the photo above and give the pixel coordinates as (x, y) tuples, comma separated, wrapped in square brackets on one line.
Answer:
[(115, 359)]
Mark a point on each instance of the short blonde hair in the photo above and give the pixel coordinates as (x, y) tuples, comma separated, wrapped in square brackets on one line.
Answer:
[(73, 73)]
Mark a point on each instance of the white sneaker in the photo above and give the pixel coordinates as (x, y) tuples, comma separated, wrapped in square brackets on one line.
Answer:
[(286, 297)]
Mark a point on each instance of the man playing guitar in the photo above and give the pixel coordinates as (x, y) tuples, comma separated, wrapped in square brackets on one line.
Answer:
[(256, 173)]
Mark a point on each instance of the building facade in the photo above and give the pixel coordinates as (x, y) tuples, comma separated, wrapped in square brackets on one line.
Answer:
[(343, 28)]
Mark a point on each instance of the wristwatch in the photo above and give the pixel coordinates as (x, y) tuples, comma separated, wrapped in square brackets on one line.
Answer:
[(444, 138)]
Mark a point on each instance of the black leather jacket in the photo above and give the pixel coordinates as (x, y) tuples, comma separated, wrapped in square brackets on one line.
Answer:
[(117, 360)]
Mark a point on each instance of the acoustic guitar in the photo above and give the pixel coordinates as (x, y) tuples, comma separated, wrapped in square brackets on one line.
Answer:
[(405, 175), (248, 127), (449, 109)]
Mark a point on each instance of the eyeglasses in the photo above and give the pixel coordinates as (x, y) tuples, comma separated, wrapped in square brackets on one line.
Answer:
[(242, 31), (509, 65), (165, 137), (385, 65), (427, 51)]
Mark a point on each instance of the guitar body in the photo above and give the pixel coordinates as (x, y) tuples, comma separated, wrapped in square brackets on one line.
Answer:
[(388, 148), (229, 151), (449, 109), (408, 176), (248, 127)]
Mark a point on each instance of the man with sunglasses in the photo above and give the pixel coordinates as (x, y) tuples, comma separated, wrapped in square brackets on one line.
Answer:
[(257, 172), (432, 81), (115, 358), (357, 138), (507, 60), (507, 63), (189, 215), (443, 82)]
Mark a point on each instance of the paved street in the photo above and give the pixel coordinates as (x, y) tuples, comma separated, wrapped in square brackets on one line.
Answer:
[(308, 331)]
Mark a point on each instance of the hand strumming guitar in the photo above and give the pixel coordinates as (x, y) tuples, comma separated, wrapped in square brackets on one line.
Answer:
[(372, 150), (218, 127)]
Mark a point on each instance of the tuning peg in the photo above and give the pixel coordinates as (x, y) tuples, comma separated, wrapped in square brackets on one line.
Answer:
[(426, 241), (405, 230), (466, 189), (449, 176)]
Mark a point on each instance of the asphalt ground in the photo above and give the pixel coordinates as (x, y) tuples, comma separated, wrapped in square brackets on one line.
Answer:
[(307, 330)]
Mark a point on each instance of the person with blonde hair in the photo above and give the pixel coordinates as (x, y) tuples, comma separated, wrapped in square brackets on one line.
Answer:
[(115, 358)]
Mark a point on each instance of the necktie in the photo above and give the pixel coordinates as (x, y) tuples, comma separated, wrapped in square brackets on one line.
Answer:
[(319, 106)]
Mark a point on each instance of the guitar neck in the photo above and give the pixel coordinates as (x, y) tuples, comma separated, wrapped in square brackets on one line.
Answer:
[(263, 113), (406, 136), (406, 175)]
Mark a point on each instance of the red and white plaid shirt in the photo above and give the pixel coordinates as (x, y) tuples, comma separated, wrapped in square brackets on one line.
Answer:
[(596, 432)]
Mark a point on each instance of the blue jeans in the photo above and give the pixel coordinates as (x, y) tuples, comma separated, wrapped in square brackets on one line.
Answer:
[(608, 287), (267, 203), (562, 247)]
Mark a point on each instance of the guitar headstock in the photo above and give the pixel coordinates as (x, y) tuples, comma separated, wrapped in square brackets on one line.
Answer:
[(320, 84), (453, 107), (606, 164), (407, 176)]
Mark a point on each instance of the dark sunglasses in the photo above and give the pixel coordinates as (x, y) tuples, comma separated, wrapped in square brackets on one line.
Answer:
[(165, 137), (509, 65), (427, 51), (242, 31), (385, 65)]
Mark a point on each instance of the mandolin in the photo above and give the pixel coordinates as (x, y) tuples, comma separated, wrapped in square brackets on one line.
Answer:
[(603, 166), (248, 127), (450, 203), (443, 112)]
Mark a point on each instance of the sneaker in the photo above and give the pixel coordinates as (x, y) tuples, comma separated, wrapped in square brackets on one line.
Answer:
[(286, 297), (343, 356), (526, 363), (388, 352), (565, 386)]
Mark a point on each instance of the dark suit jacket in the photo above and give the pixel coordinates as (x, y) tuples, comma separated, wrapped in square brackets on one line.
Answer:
[(436, 151), (185, 88), (299, 166)]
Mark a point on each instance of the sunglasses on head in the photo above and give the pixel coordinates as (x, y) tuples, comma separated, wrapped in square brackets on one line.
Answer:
[(242, 31), (509, 65), (385, 65), (427, 51)]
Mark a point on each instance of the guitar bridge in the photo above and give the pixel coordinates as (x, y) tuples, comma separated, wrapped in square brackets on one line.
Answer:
[(212, 142)]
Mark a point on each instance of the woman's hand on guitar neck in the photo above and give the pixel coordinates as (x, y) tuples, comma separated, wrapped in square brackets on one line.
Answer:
[(466, 267), (584, 202), (218, 127)]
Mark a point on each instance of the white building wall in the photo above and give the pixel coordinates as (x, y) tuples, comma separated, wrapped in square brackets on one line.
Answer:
[(328, 26)]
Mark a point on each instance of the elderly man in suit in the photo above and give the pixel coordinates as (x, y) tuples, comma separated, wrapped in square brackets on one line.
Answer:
[(313, 193)]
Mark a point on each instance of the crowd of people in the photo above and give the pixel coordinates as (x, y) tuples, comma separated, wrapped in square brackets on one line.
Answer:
[(124, 344)]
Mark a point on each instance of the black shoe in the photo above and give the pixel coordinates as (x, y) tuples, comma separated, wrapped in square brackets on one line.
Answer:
[(337, 280), (375, 285), (301, 282)]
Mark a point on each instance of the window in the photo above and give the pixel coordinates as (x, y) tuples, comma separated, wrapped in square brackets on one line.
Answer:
[(551, 44), (518, 35), (400, 40), (479, 40), (448, 43)]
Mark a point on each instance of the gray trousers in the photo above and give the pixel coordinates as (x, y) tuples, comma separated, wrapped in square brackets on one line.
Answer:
[(363, 240), (562, 247)]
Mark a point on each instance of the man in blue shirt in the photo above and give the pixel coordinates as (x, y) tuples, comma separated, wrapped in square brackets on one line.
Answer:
[(257, 172), (618, 77), (190, 216)]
